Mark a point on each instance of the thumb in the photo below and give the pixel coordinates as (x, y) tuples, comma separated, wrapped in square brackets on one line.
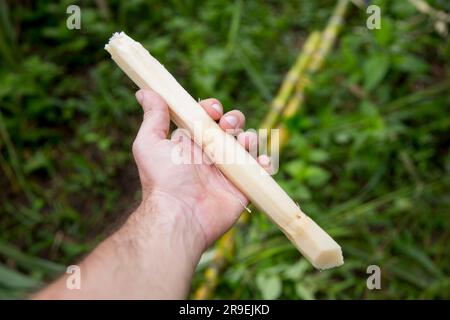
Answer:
[(155, 125)]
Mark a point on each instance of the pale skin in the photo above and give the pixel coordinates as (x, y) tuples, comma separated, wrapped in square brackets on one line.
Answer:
[(184, 209)]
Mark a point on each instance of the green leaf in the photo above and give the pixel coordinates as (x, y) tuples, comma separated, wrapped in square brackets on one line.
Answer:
[(13, 279), (385, 34), (214, 59), (297, 169), (421, 258), (29, 262), (410, 63), (317, 176), (302, 192), (375, 69), (38, 160), (318, 155), (303, 292), (270, 286), (297, 270)]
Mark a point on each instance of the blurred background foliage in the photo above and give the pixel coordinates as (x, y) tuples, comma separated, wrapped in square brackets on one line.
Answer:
[(368, 156)]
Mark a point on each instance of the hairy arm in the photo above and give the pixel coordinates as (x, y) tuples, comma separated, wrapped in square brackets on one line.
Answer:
[(152, 256), (185, 207)]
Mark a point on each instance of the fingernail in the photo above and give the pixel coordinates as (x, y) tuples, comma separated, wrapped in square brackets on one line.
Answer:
[(140, 96), (232, 120), (217, 107)]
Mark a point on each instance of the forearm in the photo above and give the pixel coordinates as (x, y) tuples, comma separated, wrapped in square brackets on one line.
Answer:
[(152, 256)]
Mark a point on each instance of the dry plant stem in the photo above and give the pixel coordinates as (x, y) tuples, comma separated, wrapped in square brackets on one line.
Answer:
[(312, 241), (425, 8), (441, 18)]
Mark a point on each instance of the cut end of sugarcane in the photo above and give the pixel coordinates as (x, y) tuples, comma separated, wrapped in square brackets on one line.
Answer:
[(115, 36), (316, 245), (329, 259)]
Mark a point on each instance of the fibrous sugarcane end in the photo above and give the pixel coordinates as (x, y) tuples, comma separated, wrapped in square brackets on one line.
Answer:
[(115, 36)]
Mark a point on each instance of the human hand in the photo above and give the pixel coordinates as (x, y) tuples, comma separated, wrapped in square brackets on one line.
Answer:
[(184, 208), (197, 192)]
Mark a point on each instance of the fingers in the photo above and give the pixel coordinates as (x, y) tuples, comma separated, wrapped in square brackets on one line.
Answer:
[(213, 107), (155, 125), (232, 121), (249, 140), (264, 161)]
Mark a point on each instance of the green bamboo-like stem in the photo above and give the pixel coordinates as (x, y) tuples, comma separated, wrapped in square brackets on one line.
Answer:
[(329, 34), (287, 86), (328, 40), (226, 245)]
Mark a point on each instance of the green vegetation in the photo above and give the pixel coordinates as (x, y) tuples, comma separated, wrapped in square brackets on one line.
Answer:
[(368, 156)]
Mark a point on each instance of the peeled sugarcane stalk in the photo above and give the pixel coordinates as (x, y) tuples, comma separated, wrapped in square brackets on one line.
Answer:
[(224, 150)]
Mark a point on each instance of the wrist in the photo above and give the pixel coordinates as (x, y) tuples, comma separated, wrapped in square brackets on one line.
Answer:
[(161, 244), (163, 220)]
